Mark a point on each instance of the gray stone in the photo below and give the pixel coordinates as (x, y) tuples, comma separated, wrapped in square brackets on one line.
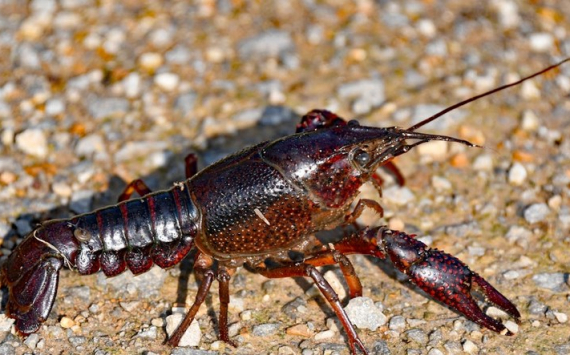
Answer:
[(416, 335), (398, 195), (365, 93), (364, 314), (89, 145), (555, 281), (77, 340), (271, 43), (101, 108), (81, 201), (32, 341), (185, 103), (537, 212), (150, 332), (266, 329), (380, 348), (397, 323), (7, 349)]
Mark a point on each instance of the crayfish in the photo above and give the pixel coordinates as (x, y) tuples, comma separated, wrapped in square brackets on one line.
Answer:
[(260, 208)]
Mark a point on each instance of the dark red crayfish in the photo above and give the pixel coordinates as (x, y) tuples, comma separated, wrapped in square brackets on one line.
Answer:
[(260, 208)]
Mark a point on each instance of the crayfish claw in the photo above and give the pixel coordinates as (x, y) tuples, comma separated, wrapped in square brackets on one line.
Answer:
[(450, 281), (445, 278), (496, 298)]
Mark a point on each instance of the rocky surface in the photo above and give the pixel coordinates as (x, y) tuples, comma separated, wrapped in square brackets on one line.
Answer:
[(94, 94)]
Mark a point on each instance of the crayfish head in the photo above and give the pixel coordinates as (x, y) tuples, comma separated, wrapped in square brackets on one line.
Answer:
[(332, 163)]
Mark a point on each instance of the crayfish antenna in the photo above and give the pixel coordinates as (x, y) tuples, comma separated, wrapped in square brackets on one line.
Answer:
[(477, 97)]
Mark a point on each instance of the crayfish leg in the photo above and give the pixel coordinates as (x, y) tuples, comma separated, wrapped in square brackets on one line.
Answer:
[(307, 270), (224, 275), (137, 186), (203, 266)]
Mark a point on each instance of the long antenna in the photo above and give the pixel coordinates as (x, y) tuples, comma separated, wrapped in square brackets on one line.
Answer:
[(459, 104)]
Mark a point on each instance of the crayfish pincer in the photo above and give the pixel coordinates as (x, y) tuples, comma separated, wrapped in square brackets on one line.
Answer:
[(258, 208)]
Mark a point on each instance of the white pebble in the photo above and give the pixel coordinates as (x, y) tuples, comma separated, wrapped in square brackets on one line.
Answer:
[(191, 337), (150, 61), (55, 107), (470, 347), (327, 334), (5, 323), (529, 121), (427, 28), (529, 90), (33, 142), (512, 326), (440, 183), (132, 85), (483, 162), (517, 174), (541, 42), (167, 81), (399, 196), (245, 315), (561, 317)]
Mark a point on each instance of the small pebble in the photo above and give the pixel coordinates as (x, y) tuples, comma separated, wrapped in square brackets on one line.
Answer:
[(537, 212), (561, 317), (266, 329), (32, 141), (512, 326), (66, 322), (517, 174), (440, 183), (301, 330), (193, 334), (555, 281), (541, 42), (496, 312), (167, 81), (416, 335), (245, 315), (32, 341), (530, 121), (327, 334), (150, 61), (271, 43), (157, 322), (397, 323), (149, 333), (400, 196), (364, 314), (5, 323), (483, 162), (470, 347)]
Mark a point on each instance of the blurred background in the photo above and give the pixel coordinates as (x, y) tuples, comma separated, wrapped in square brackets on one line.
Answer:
[(94, 94)]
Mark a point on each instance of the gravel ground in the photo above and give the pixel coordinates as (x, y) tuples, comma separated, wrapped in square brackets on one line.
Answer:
[(94, 94)]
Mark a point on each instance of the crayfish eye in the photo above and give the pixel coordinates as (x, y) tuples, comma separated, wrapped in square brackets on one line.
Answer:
[(361, 157)]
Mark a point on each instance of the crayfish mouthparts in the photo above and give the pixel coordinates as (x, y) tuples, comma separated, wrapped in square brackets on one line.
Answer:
[(442, 276)]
